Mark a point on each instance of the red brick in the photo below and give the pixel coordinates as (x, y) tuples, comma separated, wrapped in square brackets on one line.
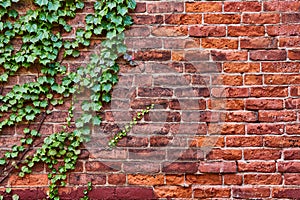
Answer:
[(264, 129), (233, 179), (277, 116), (292, 179), (170, 31), (295, 91), (217, 167), (244, 141), (291, 154), (224, 154), (141, 167), (147, 19), (96, 166), (291, 18), (177, 179), (256, 166), (165, 7), (184, 19), (242, 6), (140, 7), (286, 67), (251, 192), (173, 192), (203, 6), (207, 142), (238, 67), (258, 43), (229, 55), (293, 129), (226, 129), (181, 44), (263, 179), (282, 79), (204, 179), (234, 80), (143, 43), (187, 155), (268, 55), (246, 31), (212, 192), (116, 179), (239, 116), (205, 31), (79, 179), (217, 43), (289, 167), (180, 167), (294, 54), (29, 180), (262, 154), (283, 141), (222, 18), (269, 91), (283, 30), (264, 104), (290, 193), (282, 6), (230, 92), (261, 18), (141, 179), (253, 79), (289, 42), (133, 193), (153, 55)]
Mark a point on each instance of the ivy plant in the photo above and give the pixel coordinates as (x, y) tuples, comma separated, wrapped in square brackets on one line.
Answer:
[(35, 41)]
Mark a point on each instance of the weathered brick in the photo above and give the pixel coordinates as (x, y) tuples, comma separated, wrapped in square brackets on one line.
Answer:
[(246, 31), (224, 154), (180, 167), (263, 179), (141, 179), (262, 154), (239, 116), (216, 43), (212, 192), (233, 179), (226, 129), (264, 104), (263, 128), (165, 7), (183, 19), (222, 18), (292, 179), (229, 55), (289, 42), (217, 167), (250, 79), (205, 31), (277, 116), (283, 30), (175, 179), (250, 192), (283, 141), (169, 31), (258, 43), (268, 55), (204, 179), (291, 154), (261, 18), (250, 6), (116, 179), (293, 129), (282, 6), (269, 91), (294, 54), (289, 167), (29, 180), (203, 6), (244, 141), (147, 19), (242, 67), (256, 166), (291, 193), (173, 192)]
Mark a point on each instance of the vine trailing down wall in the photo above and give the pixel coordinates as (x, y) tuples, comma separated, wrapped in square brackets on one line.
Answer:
[(37, 36), (223, 76)]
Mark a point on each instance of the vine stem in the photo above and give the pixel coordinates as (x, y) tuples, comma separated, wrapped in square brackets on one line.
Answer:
[(11, 168)]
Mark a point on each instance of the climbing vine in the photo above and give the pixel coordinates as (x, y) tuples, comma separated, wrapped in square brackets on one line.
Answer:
[(35, 40)]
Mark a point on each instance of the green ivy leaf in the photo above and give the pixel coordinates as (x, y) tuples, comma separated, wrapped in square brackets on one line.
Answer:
[(2, 161), (41, 2)]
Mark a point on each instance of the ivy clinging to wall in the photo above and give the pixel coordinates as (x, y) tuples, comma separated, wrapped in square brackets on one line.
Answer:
[(39, 33)]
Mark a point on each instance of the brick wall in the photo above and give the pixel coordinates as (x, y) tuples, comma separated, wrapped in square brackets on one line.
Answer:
[(224, 78)]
